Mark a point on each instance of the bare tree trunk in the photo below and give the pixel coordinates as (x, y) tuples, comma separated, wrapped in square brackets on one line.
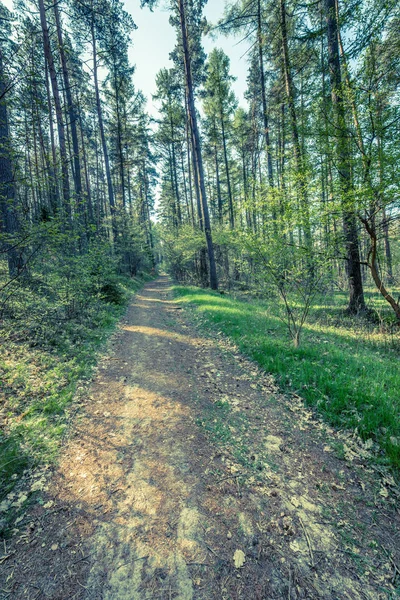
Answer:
[(298, 155), (52, 140), (188, 162), (356, 301), (228, 180), (59, 116), (110, 188), (8, 211), (197, 145), (72, 115), (182, 166), (175, 175), (264, 97), (219, 197), (86, 169)]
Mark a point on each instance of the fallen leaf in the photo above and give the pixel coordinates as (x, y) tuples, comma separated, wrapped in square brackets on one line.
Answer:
[(337, 487), (38, 485), (384, 492), (239, 558)]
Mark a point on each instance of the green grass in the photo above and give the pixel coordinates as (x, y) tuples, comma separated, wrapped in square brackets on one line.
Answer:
[(41, 370), (346, 369)]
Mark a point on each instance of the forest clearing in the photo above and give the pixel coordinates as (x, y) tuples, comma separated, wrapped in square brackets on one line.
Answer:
[(199, 300)]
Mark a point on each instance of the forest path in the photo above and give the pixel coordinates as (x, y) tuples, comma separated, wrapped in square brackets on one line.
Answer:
[(188, 476)]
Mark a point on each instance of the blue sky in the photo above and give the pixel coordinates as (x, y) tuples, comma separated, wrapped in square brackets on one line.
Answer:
[(155, 38)]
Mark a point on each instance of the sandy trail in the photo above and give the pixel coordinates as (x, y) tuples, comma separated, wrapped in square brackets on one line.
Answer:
[(183, 457)]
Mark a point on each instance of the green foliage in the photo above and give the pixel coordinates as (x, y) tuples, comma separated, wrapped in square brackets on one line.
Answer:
[(347, 371), (181, 249), (293, 274), (54, 322)]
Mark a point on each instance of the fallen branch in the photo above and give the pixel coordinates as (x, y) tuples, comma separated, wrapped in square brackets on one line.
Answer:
[(308, 542), (230, 477), (6, 556)]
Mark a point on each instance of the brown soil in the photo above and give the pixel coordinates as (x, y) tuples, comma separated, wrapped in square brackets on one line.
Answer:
[(187, 475)]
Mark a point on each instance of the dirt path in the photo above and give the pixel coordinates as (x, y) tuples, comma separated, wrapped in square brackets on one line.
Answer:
[(188, 476)]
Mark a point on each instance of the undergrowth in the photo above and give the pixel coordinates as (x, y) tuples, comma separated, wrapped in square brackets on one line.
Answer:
[(345, 368), (50, 336)]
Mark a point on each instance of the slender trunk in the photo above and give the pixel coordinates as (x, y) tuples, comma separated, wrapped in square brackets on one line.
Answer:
[(107, 169), (54, 185), (373, 265), (59, 116), (195, 168), (71, 110), (219, 197), (185, 187), (173, 196), (197, 145), (47, 166), (298, 155), (356, 301), (175, 175), (189, 166), (86, 169), (119, 134), (8, 210), (264, 96), (228, 179)]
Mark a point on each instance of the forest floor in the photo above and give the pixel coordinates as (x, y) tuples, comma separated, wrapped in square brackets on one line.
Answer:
[(188, 475)]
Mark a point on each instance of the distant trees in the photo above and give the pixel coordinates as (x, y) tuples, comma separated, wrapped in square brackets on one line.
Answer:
[(8, 198), (75, 157), (307, 170), (305, 166)]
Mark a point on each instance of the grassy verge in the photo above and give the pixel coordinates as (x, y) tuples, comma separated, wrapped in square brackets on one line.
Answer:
[(349, 372), (41, 367)]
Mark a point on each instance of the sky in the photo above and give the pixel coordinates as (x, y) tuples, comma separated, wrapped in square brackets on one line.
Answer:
[(154, 39)]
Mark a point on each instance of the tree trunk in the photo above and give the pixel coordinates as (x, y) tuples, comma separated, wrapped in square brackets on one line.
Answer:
[(219, 197), (298, 155), (175, 175), (8, 212), (110, 188), (228, 180), (71, 110), (264, 97), (59, 116), (356, 301), (54, 185), (373, 265), (196, 145)]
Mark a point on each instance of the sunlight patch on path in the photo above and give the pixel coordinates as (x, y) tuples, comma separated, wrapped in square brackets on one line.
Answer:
[(164, 333)]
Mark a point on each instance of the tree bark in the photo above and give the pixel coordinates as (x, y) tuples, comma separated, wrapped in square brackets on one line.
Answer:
[(175, 174), (197, 145), (298, 155), (72, 115), (228, 179), (8, 210), (110, 189), (264, 97), (54, 186), (59, 116), (356, 300)]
